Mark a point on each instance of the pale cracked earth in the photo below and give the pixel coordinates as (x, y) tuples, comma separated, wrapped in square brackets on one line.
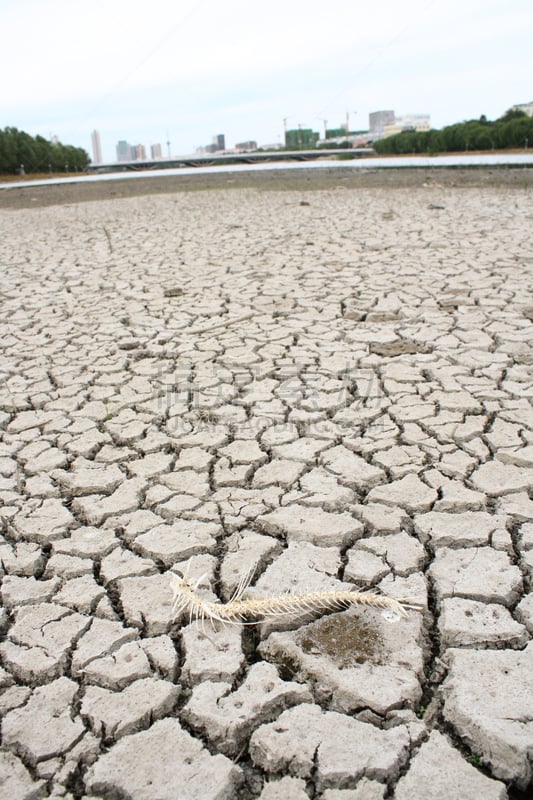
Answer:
[(332, 387)]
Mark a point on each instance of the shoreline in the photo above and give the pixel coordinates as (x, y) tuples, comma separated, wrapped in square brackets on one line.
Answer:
[(328, 178)]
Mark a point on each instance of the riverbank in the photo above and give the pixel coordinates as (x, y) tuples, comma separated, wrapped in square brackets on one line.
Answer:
[(310, 179)]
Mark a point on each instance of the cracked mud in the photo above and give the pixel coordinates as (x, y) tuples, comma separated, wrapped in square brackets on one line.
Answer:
[(332, 388)]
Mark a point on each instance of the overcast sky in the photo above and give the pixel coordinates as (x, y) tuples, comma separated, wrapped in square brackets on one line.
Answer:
[(195, 68)]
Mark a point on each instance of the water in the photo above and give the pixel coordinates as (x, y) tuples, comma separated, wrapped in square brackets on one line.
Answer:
[(484, 160)]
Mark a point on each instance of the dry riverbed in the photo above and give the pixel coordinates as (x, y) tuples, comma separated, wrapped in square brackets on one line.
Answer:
[(328, 382)]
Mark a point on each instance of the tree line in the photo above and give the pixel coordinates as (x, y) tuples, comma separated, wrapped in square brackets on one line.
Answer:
[(21, 153), (513, 130)]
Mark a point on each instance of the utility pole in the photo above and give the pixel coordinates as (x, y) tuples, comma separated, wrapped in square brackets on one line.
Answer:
[(299, 136), (168, 146)]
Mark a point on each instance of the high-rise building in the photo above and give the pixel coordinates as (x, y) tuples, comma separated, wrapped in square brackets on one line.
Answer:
[(377, 121), (123, 151), (97, 147), (301, 138), (219, 141), (156, 151), (139, 152)]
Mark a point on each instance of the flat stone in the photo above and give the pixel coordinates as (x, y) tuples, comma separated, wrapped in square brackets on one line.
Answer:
[(244, 451), (305, 449), (278, 472), (454, 496), (90, 477), (517, 505), (227, 474), (178, 541), (464, 623), (51, 520), (227, 718), (495, 478), (479, 573), (124, 564), (364, 567), (468, 529), (81, 594), (356, 658), (18, 591), (410, 493), (116, 714), (162, 655), (67, 567), (440, 772), (245, 551), (402, 553), (102, 639), (96, 508), (118, 669), (87, 543), (351, 469), (26, 420), (147, 603), (187, 481), (381, 518), (300, 523), (213, 655), (300, 567), (50, 459), (488, 700), (49, 708), (21, 558), (47, 629), (335, 749), (13, 697), (134, 765), (30, 664), (151, 465), (16, 783), (319, 488)]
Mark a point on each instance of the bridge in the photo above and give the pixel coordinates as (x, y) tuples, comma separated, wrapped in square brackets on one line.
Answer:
[(215, 159)]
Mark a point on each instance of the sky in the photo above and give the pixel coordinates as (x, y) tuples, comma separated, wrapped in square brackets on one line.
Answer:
[(185, 70)]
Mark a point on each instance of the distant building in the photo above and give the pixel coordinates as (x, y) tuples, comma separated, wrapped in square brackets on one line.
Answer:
[(97, 147), (219, 141), (139, 152), (377, 121), (246, 146), (301, 138), (409, 122), (527, 108), (156, 151), (123, 151)]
